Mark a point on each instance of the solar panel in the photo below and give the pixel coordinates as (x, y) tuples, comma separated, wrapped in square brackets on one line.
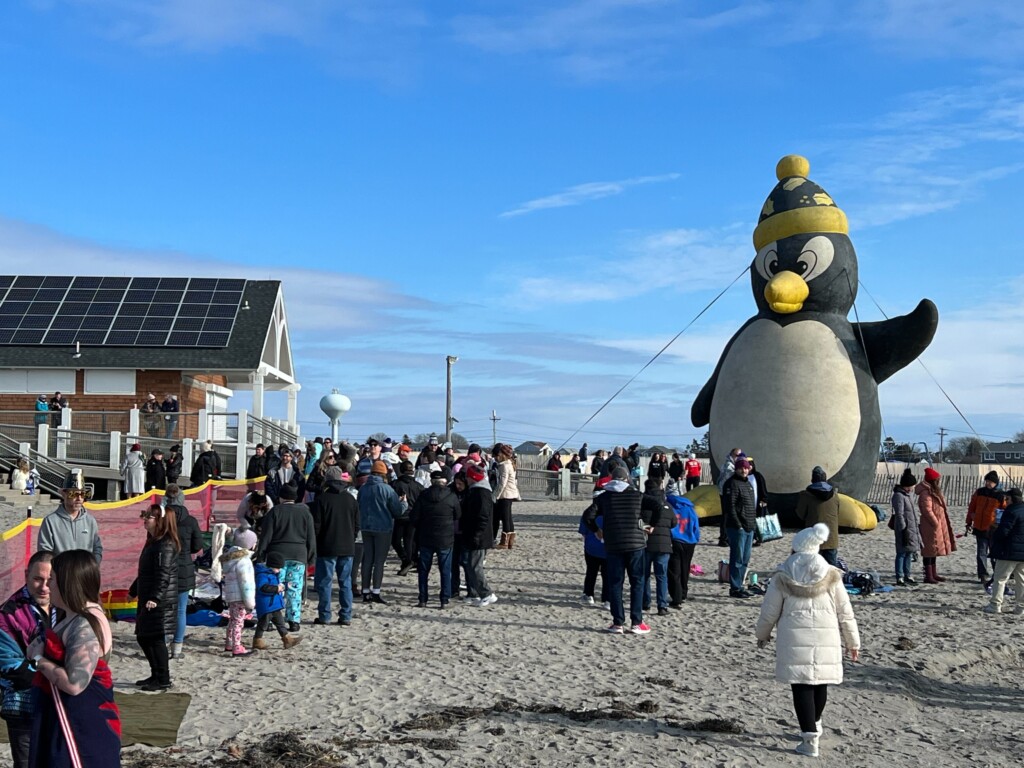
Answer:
[(118, 311)]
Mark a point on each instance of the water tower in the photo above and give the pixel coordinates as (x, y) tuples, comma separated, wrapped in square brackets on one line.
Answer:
[(335, 405)]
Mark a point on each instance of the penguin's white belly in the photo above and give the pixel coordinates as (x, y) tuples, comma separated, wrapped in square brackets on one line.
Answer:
[(788, 397)]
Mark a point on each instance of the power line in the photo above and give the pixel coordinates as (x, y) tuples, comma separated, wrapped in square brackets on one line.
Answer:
[(656, 356)]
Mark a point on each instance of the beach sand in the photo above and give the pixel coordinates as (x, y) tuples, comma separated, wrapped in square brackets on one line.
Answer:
[(955, 697)]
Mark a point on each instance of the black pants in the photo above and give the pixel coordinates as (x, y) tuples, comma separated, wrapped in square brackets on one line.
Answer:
[(809, 703), (19, 732), (595, 566), (503, 516), (156, 654), (277, 617), (679, 570), (721, 523), (402, 541), (692, 482)]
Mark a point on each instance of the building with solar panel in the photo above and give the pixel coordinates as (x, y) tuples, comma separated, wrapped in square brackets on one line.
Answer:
[(106, 343)]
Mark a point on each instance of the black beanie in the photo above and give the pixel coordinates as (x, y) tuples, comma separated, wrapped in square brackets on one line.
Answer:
[(818, 475), (908, 479), (992, 477), (275, 560)]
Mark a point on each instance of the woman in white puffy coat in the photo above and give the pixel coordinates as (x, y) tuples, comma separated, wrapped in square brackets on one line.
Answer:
[(807, 601)]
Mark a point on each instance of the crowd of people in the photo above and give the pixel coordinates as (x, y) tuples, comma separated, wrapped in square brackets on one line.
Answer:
[(340, 510)]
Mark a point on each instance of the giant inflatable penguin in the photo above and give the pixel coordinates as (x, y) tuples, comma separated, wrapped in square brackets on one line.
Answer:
[(797, 386)]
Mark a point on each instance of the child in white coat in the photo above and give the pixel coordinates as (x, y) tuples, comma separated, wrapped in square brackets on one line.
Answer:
[(239, 584), (808, 602)]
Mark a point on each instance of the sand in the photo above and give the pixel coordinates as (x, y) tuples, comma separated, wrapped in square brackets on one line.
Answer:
[(549, 687)]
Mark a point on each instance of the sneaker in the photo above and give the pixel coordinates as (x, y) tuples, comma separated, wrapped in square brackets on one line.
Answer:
[(320, 622), (421, 604), (617, 629), (405, 569), (740, 593), (145, 682), (676, 606), (900, 581), (154, 687), (992, 608), (909, 580), (663, 611), (366, 597), (474, 601), (240, 652), (376, 598), (444, 606), (345, 622), (294, 626), (606, 605), (640, 629), (587, 600), (491, 599)]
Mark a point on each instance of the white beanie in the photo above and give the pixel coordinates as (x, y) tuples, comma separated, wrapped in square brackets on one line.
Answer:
[(809, 540)]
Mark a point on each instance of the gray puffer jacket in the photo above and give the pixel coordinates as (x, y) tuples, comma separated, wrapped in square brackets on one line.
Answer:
[(904, 522)]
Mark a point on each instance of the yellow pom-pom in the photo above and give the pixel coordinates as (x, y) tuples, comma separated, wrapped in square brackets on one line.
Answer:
[(792, 165)]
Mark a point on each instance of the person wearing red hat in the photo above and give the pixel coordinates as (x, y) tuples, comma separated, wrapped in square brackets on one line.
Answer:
[(937, 538)]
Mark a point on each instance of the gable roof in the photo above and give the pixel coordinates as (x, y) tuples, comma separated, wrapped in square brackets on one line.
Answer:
[(244, 351)]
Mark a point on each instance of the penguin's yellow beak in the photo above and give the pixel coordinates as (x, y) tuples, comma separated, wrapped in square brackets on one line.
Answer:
[(786, 293)]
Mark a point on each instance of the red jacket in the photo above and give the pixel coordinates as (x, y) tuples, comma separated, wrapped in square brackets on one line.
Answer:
[(692, 468)]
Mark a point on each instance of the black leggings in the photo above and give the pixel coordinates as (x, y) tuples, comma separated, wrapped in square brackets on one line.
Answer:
[(156, 654), (809, 703), (503, 516), (595, 567)]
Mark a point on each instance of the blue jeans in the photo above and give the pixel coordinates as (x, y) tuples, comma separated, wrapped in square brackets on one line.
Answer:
[(830, 555), (660, 563), (616, 566), (740, 542), (903, 561), (179, 631), (444, 565), (326, 569), (984, 570)]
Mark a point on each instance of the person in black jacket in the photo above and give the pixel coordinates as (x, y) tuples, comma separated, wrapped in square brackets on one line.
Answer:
[(676, 470), (288, 529), (659, 547), (434, 516), (156, 471), (206, 466), (627, 515), (191, 540), (739, 513), (157, 591), (1008, 551), (286, 473), (657, 468), (475, 528), (335, 523), (403, 537), (258, 463), (173, 462)]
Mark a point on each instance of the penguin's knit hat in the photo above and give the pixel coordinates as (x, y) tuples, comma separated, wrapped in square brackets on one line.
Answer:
[(797, 205)]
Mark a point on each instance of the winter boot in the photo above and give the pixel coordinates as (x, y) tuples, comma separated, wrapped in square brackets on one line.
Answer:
[(177, 650), (290, 641), (809, 745), (503, 544), (935, 572), (259, 644), (929, 575), (511, 540)]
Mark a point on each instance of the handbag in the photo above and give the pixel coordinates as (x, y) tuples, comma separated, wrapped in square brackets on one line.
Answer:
[(723, 571), (768, 527)]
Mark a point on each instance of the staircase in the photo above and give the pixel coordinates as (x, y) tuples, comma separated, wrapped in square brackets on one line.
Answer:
[(41, 503), (51, 471)]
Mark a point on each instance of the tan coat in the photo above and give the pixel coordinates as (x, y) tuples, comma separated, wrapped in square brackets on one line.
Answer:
[(506, 486), (937, 537)]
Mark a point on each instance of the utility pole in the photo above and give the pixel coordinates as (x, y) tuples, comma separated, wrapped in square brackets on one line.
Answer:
[(495, 418), (451, 359), (942, 436)]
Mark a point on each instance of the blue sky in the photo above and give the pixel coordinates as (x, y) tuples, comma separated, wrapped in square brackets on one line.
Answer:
[(549, 190)]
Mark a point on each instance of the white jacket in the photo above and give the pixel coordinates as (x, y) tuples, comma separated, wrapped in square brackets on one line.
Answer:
[(239, 577), (807, 600), (506, 486)]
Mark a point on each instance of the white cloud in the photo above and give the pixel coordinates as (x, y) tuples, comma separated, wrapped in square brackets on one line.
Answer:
[(317, 300), (582, 193), (683, 260)]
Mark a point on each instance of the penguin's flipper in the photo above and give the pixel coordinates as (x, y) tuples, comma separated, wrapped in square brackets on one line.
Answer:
[(893, 344), (700, 411)]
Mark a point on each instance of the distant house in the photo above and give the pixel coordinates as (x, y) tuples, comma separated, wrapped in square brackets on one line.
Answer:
[(1004, 453), (533, 448)]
